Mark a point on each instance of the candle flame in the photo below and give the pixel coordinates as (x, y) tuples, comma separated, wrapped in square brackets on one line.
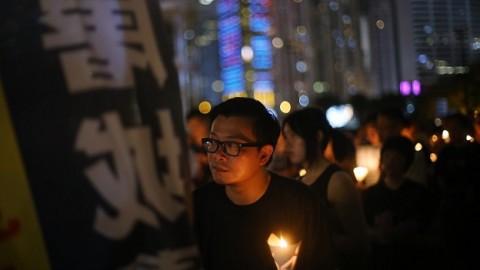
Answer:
[(283, 243), (360, 173)]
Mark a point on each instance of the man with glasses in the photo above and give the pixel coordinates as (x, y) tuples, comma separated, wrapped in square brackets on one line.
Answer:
[(237, 212)]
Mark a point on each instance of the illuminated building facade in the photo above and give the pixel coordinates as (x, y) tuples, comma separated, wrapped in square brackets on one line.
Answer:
[(420, 40), (340, 47), (318, 51), (294, 56), (245, 49), (284, 53), (296, 51), (193, 29), (384, 45), (446, 36)]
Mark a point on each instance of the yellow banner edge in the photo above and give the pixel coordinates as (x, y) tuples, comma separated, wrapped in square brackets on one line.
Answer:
[(24, 249)]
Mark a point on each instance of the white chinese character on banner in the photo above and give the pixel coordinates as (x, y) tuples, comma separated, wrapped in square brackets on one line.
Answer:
[(133, 158), (101, 42)]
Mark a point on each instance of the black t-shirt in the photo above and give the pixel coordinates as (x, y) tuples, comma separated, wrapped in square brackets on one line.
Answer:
[(235, 237), (409, 202), (459, 166)]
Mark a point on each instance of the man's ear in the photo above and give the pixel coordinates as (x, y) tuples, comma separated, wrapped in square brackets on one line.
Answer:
[(265, 153)]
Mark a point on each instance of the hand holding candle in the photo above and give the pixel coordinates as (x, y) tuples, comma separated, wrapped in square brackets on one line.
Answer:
[(285, 254)]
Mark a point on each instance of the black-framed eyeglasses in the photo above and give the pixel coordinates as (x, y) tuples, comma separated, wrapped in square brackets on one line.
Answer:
[(230, 148)]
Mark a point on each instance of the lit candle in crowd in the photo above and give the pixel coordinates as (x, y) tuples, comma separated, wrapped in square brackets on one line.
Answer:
[(360, 173), (284, 254)]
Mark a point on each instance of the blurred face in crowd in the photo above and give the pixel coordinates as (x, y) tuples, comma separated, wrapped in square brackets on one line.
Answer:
[(294, 146), (250, 162), (371, 133), (393, 163), (456, 132), (197, 129), (387, 128), (328, 153)]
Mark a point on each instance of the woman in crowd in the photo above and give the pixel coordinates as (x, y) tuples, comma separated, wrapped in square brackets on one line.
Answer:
[(307, 134)]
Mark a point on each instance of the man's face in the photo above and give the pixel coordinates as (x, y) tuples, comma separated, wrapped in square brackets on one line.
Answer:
[(197, 129), (232, 170), (372, 134), (393, 163)]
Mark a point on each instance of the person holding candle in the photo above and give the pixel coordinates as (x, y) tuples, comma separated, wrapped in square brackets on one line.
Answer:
[(307, 133), (235, 214), (392, 122), (398, 212)]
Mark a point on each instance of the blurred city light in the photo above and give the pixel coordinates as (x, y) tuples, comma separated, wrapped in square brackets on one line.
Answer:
[(204, 107), (303, 100), (285, 107), (339, 116)]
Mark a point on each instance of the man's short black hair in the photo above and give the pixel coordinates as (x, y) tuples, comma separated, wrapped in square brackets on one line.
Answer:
[(401, 145), (266, 127), (395, 115), (307, 123)]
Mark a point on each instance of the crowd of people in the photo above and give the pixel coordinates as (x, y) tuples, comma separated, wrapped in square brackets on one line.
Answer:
[(417, 208)]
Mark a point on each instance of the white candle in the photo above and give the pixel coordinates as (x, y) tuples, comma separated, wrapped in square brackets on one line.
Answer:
[(284, 254), (360, 173)]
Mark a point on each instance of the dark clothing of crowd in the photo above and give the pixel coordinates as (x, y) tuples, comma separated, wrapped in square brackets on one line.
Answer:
[(429, 224)]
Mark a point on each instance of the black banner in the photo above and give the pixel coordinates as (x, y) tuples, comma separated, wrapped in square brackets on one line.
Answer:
[(93, 95)]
